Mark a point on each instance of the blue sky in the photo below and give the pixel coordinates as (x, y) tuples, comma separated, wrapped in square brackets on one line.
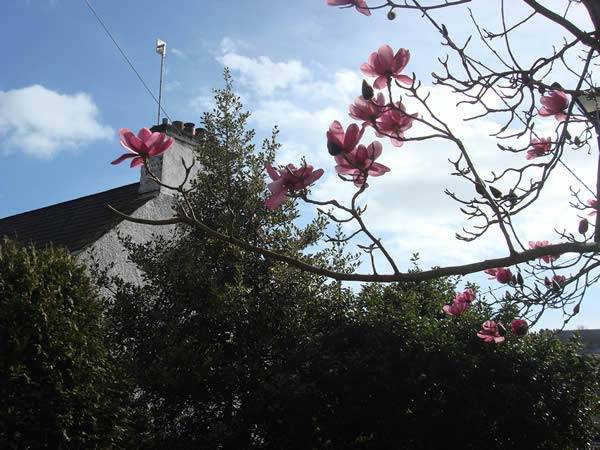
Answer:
[(65, 90)]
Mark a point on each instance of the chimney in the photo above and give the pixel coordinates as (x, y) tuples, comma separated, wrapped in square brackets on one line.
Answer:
[(189, 128), (168, 166)]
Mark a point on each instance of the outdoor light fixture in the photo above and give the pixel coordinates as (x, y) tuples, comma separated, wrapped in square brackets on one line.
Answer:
[(161, 47)]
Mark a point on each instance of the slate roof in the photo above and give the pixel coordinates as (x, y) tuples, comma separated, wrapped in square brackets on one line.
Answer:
[(77, 223)]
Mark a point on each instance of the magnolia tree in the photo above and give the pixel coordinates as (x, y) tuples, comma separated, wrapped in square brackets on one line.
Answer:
[(538, 275)]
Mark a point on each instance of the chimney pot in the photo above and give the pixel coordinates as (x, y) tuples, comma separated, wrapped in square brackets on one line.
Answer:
[(188, 128), (165, 121), (199, 132), (178, 124)]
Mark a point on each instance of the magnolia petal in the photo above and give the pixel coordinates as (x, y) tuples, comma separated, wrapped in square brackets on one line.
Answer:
[(374, 150), (368, 70), (380, 82), (272, 172), (396, 142), (313, 177), (161, 147), (361, 7), (122, 158), (346, 170), (137, 161), (447, 309), (386, 57), (336, 133), (277, 186), (378, 169), (404, 79), (352, 137), (543, 111), (130, 140), (144, 134), (276, 200), (401, 59)]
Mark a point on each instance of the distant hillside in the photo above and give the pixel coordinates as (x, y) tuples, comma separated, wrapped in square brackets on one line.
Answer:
[(590, 338)]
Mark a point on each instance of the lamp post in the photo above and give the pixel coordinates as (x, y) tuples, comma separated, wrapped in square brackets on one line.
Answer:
[(161, 49)]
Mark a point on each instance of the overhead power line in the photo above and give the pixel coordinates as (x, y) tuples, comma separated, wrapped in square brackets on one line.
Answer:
[(109, 34)]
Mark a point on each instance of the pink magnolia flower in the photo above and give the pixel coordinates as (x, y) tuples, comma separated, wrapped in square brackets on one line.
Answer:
[(539, 147), (490, 332), (519, 327), (361, 5), (593, 203), (554, 104), (367, 110), (456, 308), (501, 274), (468, 295), (556, 281), (289, 179), (460, 303), (539, 244), (360, 163), (393, 123), (384, 65), (142, 146), (340, 141)]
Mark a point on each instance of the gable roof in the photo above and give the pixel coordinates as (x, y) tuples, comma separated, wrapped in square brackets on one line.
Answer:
[(76, 223)]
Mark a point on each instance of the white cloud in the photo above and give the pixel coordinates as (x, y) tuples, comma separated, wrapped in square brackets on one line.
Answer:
[(42, 122), (262, 74), (178, 52), (231, 45)]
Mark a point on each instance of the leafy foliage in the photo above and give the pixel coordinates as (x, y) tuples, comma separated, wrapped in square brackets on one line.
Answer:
[(57, 384)]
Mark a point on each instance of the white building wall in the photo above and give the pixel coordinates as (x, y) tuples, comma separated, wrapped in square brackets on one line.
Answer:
[(109, 250)]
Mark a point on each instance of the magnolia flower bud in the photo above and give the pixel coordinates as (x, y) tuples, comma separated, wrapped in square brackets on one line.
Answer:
[(391, 15), (495, 192), (512, 198), (576, 309), (520, 279), (367, 91), (519, 327), (583, 226), (480, 189)]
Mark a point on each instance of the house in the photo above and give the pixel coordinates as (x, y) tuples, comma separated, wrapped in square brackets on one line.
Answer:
[(87, 223)]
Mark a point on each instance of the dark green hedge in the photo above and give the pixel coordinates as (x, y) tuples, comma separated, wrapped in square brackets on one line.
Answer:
[(58, 388)]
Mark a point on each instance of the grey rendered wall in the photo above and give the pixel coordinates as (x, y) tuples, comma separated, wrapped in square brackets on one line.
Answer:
[(108, 249)]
